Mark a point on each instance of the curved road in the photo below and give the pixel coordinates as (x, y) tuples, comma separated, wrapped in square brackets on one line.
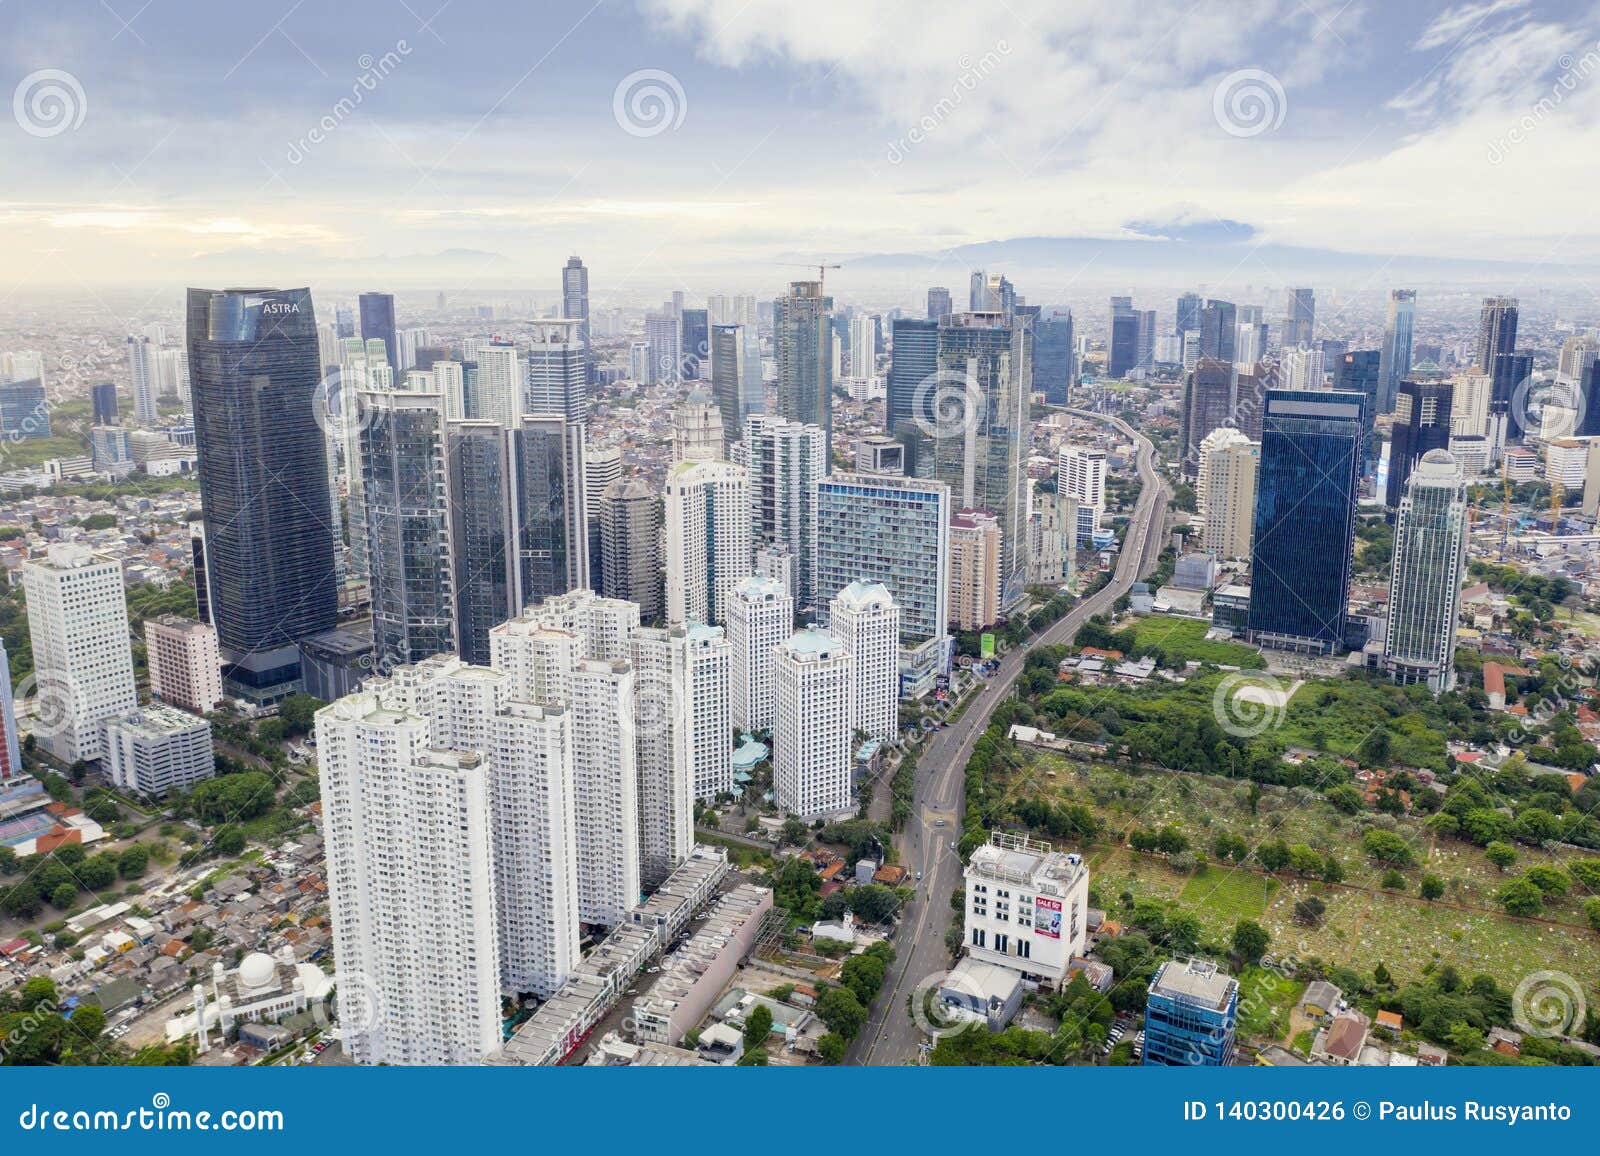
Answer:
[(890, 1036)]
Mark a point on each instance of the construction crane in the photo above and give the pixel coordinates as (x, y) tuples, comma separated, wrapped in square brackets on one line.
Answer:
[(819, 267)]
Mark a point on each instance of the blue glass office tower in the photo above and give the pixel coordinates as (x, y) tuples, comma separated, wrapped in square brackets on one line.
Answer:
[(1305, 518), (1361, 371), (254, 370), (1122, 340), (913, 360), (1053, 364), (24, 412), (1190, 1016), (1421, 424), (103, 404), (377, 320)]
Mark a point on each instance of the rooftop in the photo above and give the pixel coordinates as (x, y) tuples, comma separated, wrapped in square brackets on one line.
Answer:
[(1194, 981)]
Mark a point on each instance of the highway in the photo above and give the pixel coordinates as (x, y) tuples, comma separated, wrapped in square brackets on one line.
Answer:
[(890, 1036)]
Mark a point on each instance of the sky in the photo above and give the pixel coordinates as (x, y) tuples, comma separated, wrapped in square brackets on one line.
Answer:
[(691, 143)]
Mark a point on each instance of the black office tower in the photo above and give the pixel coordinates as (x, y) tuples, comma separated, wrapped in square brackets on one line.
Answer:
[(1421, 423), (269, 533), (103, 404), (1053, 360), (377, 320), (913, 362), (1305, 518), (1219, 330), (1122, 339), (695, 335)]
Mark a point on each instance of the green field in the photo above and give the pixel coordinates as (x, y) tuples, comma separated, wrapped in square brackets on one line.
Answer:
[(1185, 639)]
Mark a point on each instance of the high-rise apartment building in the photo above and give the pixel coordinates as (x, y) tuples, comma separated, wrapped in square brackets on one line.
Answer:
[(785, 460), (760, 617), (707, 539), (974, 570), (812, 735), (630, 545), (263, 463), (1305, 518), (141, 366), (156, 750), (663, 333), (663, 749), (605, 789), (1430, 549), (864, 617), (1225, 492), (82, 662), (185, 663)]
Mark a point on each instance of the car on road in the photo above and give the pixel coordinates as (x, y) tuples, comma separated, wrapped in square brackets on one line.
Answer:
[(938, 823), (919, 876)]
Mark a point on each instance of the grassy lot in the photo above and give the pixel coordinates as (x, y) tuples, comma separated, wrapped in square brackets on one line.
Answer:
[(1185, 639), (1363, 924), (1265, 1000), (1337, 716)]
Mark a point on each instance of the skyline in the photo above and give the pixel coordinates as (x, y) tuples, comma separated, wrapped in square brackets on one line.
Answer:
[(1255, 140)]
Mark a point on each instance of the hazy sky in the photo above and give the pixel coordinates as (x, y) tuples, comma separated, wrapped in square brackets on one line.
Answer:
[(499, 139)]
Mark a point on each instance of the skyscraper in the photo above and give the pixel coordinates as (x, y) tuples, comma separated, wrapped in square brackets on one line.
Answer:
[(556, 371), (735, 380), (408, 512), (1218, 330), (864, 617), (1225, 492), (263, 465), (605, 789), (1122, 338), (981, 428), (1054, 359), (630, 545), (1299, 318), (482, 520), (663, 709), (1187, 315), (141, 365), (811, 733), (410, 869), (377, 322), (1497, 330), (1361, 371), (785, 460), (82, 661), (913, 362), (1395, 357), (103, 404), (895, 531), (695, 336), (663, 333), (1305, 518), (499, 387), (863, 345), (1430, 549), (974, 570), (1509, 393), (1208, 403), (804, 347), (552, 525), (760, 616), (938, 302), (707, 539), (575, 306), (1421, 424)]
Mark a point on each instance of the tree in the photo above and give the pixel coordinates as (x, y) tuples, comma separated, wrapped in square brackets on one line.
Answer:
[(229, 841), (87, 1022), (64, 896), (1502, 855), (757, 1026), (22, 901), (1250, 940), (794, 831), (1521, 897), (841, 1011), (1464, 1039), (753, 1058), (1381, 976), (134, 861), (38, 992), (830, 1048), (1551, 881), (1346, 798), (1591, 909), (1432, 887), (1309, 911), (1273, 854), (98, 872), (1387, 848), (1393, 880)]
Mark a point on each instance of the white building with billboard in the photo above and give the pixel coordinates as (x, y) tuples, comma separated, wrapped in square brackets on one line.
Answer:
[(1027, 907)]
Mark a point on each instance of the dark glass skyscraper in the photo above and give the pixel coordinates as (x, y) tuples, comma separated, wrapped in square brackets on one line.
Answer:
[(103, 404), (478, 465), (938, 303), (1299, 317), (1122, 338), (377, 320), (804, 347), (1497, 330), (696, 342), (408, 527), (254, 371), (575, 307), (913, 360), (1053, 361), (1219, 330), (1361, 371), (1398, 326), (1305, 518), (1207, 405), (1187, 317), (1421, 423), (551, 520)]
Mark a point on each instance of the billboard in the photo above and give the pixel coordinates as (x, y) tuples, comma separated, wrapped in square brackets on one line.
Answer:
[(1047, 917), (986, 646)]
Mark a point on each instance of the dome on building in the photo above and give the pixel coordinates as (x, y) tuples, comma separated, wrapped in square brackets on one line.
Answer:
[(257, 970)]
